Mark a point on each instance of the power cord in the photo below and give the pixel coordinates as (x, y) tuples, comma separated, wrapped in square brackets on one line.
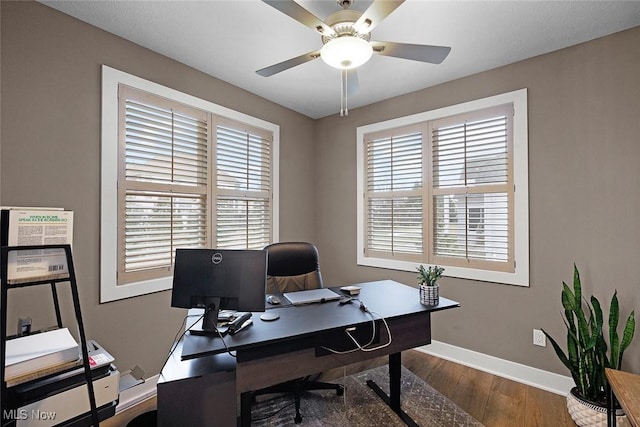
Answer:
[(364, 347), (178, 336), (387, 344), (217, 331)]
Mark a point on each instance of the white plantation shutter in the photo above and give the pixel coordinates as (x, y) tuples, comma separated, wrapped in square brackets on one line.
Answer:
[(159, 181), (243, 212), (473, 189), (441, 191), (394, 193), (163, 180)]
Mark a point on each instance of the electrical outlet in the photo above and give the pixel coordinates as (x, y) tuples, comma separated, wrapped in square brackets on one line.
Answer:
[(24, 326), (539, 338)]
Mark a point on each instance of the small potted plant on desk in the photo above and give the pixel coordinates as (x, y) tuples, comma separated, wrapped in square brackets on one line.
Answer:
[(587, 354), (428, 283)]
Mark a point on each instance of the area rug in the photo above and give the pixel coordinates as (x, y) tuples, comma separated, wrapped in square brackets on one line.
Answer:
[(360, 406)]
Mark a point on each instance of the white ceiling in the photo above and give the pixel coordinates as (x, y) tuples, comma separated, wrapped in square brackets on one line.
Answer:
[(230, 40)]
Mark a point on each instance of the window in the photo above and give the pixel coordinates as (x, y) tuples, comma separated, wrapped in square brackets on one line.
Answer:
[(448, 187), (178, 171)]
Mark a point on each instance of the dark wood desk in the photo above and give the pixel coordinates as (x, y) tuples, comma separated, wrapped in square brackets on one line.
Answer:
[(296, 340), (625, 388)]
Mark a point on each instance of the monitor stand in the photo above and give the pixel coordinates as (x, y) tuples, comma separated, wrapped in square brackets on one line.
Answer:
[(210, 318)]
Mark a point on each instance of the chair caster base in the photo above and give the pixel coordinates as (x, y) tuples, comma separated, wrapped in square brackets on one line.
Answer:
[(298, 419)]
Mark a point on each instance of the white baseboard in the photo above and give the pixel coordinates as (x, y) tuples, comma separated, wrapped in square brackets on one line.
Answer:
[(524, 374), (138, 393)]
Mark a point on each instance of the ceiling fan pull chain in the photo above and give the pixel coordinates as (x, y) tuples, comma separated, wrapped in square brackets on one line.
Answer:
[(344, 111)]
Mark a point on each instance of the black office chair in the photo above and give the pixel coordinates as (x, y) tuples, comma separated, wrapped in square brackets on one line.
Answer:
[(294, 266)]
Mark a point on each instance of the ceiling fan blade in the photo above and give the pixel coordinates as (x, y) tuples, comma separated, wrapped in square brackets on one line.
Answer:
[(353, 84), (415, 52), (289, 63), (378, 10), (302, 15)]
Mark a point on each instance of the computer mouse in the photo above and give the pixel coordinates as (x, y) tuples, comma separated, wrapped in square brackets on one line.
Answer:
[(272, 299)]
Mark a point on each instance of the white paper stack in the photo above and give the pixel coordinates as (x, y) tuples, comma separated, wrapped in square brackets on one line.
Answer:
[(32, 353)]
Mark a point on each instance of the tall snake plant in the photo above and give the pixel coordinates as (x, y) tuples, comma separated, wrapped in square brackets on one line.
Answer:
[(587, 354)]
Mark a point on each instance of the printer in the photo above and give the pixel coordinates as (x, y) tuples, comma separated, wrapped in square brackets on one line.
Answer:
[(62, 398)]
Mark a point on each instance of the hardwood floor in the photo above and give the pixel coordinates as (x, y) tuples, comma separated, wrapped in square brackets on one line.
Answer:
[(492, 400)]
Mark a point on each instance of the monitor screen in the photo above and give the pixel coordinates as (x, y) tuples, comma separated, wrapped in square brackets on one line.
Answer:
[(216, 279)]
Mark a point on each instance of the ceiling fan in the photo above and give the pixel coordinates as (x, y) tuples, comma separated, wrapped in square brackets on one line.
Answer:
[(347, 44)]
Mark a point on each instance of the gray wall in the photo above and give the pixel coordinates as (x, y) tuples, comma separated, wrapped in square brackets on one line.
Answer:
[(51, 95), (584, 179), (584, 195)]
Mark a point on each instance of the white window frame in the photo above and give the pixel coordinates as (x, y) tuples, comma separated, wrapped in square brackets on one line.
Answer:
[(111, 78), (520, 276)]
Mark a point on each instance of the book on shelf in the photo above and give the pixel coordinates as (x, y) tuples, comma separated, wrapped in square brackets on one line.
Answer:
[(43, 351), (35, 227)]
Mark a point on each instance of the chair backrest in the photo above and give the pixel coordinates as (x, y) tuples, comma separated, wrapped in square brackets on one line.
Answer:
[(292, 266)]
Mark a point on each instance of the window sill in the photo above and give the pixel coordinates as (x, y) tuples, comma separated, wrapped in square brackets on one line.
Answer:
[(116, 292), (519, 278)]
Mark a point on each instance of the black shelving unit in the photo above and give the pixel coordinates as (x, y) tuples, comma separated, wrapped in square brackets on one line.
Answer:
[(70, 279)]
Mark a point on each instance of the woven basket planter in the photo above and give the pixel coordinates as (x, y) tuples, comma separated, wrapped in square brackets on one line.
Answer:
[(430, 295), (586, 414)]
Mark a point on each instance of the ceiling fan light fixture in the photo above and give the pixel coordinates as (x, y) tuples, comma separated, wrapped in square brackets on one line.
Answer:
[(346, 52)]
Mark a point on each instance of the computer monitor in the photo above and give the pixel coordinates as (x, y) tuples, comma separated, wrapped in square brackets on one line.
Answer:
[(216, 279)]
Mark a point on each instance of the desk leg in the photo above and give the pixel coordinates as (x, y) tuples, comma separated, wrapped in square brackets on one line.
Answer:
[(394, 389), (611, 407), (395, 376), (245, 409)]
